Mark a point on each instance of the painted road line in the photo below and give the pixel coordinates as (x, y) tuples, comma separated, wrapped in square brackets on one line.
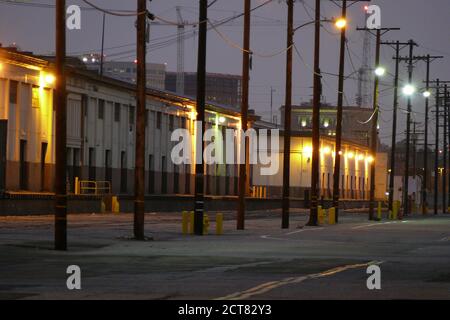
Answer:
[(377, 224), (269, 286), (303, 230), (269, 237)]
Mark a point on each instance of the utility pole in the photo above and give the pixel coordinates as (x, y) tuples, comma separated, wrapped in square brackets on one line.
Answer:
[(394, 119), (337, 158), (201, 82), (61, 129), (428, 59), (410, 60), (374, 136), (102, 57), (272, 90), (313, 216), (139, 173), (287, 118), (436, 156), (243, 168), (445, 151)]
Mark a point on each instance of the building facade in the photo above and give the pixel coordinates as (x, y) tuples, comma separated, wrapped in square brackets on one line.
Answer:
[(222, 89), (355, 170), (126, 70), (101, 119), (356, 126)]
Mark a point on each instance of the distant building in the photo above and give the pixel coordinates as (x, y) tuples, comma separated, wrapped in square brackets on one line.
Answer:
[(355, 125), (223, 89), (126, 70)]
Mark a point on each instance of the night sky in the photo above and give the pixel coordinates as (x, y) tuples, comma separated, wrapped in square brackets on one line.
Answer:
[(425, 21)]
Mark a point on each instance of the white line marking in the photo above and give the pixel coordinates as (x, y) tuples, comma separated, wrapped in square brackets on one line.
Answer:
[(377, 224), (268, 286)]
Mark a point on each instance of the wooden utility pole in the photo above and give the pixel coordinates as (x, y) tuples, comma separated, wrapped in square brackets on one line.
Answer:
[(315, 163), (410, 60), (287, 117), (201, 82), (374, 136), (139, 170), (60, 129), (243, 168), (339, 115), (396, 45)]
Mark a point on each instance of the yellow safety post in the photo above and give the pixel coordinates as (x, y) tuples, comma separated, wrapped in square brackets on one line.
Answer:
[(77, 185), (332, 216), (191, 222), (205, 224), (115, 205), (379, 210), (395, 210), (219, 224), (185, 222), (320, 214)]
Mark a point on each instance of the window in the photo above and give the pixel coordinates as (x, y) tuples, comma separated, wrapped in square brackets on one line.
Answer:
[(117, 112), (131, 115), (171, 124), (35, 97), (158, 120), (101, 109), (13, 91)]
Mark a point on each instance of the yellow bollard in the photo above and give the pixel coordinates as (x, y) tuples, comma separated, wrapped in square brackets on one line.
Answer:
[(395, 210), (185, 222), (191, 222), (320, 214), (77, 185), (379, 210), (219, 224), (205, 224), (115, 205), (332, 216)]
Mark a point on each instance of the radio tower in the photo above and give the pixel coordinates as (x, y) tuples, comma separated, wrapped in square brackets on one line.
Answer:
[(365, 73)]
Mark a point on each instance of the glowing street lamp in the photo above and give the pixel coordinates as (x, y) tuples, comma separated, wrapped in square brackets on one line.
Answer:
[(409, 90), (341, 23), (426, 94), (380, 71)]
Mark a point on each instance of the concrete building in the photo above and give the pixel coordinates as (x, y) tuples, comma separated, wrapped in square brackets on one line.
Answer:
[(355, 169), (101, 136), (126, 70), (100, 131), (355, 125), (223, 89)]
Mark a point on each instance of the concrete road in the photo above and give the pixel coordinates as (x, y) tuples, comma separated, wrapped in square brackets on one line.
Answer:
[(262, 262)]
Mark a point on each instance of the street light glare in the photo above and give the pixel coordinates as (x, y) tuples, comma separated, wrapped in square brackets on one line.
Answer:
[(409, 90), (380, 71), (341, 23), (427, 94)]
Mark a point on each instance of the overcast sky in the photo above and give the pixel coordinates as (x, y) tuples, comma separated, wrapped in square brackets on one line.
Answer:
[(425, 21)]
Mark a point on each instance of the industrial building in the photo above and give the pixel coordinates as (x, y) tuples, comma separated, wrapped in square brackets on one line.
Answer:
[(101, 136)]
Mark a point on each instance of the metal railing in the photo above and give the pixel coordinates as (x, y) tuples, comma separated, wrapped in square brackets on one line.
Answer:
[(94, 187)]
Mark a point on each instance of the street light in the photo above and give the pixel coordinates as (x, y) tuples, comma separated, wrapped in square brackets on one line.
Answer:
[(341, 23), (409, 90), (380, 71), (426, 94)]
